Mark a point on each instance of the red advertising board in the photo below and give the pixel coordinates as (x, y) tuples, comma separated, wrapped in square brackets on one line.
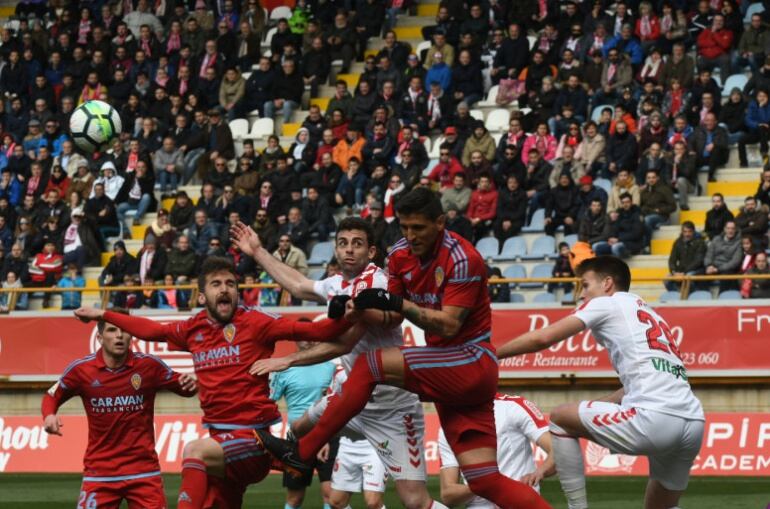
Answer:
[(733, 444), (724, 340)]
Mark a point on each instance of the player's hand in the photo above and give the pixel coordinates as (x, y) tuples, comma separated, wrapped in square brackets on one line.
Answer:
[(323, 454), (352, 314), (377, 298), (337, 306), (53, 425), (86, 314), (188, 382), (271, 365), (532, 479), (245, 239)]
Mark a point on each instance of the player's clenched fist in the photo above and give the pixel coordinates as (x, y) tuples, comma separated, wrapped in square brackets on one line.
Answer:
[(188, 382), (377, 298), (337, 306), (53, 425), (86, 314)]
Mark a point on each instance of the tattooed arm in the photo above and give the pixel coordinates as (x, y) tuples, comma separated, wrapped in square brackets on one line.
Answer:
[(445, 322)]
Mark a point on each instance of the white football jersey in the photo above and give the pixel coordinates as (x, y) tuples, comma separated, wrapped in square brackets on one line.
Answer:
[(519, 424), (384, 396), (642, 351)]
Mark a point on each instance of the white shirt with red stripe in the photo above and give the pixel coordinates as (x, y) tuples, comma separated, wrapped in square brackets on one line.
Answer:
[(519, 424), (375, 337), (642, 350)]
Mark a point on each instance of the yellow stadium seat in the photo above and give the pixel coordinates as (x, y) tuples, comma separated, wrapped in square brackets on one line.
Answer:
[(7, 11), (137, 232), (408, 33), (698, 217), (648, 272), (733, 188), (106, 258), (166, 204), (321, 102), (371, 53), (350, 79), (427, 9), (92, 283), (661, 246), (291, 129)]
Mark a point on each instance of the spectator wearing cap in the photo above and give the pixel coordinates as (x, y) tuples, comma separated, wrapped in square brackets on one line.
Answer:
[(80, 245), (414, 69), (287, 92), (714, 45)]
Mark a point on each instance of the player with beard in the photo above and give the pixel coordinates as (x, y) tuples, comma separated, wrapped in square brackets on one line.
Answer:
[(392, 420), (224, 340), (438, 281), (118, 390)]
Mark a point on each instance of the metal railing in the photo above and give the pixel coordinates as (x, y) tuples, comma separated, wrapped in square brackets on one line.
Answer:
[(105, 292)]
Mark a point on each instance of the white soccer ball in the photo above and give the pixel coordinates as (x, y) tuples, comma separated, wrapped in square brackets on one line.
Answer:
[(93, 125)]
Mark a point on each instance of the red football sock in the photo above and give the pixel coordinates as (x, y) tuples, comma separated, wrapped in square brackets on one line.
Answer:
[(487, 482), (192, 493), (362, 380)]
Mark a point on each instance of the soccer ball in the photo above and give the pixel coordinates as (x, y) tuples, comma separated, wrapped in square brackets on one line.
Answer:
[(93, 125)]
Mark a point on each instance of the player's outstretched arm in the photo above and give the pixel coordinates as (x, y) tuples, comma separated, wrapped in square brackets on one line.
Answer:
[(445, 322), (541, 339), (290, 279), (547, 468), (320, 352), (142, 328), (183, 384)]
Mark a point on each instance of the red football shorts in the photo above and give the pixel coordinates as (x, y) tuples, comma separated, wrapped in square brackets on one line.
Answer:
[(143, 492), (245, 463), (462, 382)]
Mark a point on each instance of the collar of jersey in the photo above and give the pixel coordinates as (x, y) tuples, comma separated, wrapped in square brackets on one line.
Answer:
[(99, 358)]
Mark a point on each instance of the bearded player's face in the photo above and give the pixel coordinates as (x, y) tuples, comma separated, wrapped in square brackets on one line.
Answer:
[(221, 296), (420, 232)]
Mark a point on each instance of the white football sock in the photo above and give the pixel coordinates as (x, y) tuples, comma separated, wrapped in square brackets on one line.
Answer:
[(569, 465)]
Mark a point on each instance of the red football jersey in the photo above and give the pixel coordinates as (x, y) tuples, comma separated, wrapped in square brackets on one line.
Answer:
[(120, 406), (230, 397), (454, 276)]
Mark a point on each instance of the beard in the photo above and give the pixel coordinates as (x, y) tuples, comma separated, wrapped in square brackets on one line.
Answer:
[(221, 316)]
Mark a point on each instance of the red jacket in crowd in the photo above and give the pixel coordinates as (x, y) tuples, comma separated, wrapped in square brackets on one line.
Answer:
[(714, 44), (483, 205)]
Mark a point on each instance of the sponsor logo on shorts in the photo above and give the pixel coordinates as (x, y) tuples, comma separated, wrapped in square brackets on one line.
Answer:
[(600, 459), (383, 448)]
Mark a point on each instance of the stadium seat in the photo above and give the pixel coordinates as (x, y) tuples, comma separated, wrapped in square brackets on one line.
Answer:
[(532, 40), (316, 274), (246, 75), (734, 81), (513, 249), (488, 247), (290, 129), (477, 114), (269, 38), (597, 111), (755, 8), (516, 298), (541, 270), (239, 128), (670, 297), (435, 149), (543, 247), (279, 12), (730, 295), (422, 50), (427, 144), (604, 184), (544, 298), (515, 271), (700, 295), (489, 101), (321, 253), (571, 239), (537, 224), (261, 129), (497, 120)]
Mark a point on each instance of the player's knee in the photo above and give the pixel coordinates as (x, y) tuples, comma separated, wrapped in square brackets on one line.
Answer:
[(338, 499), (195, 449), (413, 495), (373, 502)]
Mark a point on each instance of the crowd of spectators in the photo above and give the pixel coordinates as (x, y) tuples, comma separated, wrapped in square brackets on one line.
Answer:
[(626, 92)]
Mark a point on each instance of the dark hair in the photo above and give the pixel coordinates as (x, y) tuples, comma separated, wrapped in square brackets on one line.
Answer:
[(718, 194), (357, 223), (421, 201), (214, 264), (623, 196), (689, 225), (101, 324), (608, 266)]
